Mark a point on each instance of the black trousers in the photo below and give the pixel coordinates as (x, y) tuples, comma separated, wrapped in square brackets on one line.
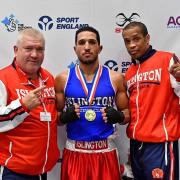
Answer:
[(7, 174)]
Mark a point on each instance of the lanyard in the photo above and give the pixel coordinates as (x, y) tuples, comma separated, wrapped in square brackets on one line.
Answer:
[(95, 82)]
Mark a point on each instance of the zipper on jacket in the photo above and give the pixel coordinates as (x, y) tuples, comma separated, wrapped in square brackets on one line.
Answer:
[(164, 126), (137, 101), (47, 148), (10, 152)]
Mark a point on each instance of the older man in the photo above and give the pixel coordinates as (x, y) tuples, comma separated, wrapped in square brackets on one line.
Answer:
[(28, 116)]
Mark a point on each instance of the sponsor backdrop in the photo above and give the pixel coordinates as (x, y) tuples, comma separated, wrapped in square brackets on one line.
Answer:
[(59, 19)]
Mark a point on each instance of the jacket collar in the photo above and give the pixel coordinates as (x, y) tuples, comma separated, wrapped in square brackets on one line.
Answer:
[(23, 76), (149, 53)]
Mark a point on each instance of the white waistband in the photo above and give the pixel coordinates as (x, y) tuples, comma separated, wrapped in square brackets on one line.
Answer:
[(91, 146)]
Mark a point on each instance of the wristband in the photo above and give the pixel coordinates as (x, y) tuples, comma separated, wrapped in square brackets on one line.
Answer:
[(114, 116), (69, 115)]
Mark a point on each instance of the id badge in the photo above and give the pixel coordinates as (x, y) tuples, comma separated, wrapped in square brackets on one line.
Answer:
[(45, 116)]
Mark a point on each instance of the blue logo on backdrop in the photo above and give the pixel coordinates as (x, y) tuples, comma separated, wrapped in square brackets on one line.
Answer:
[(112, 65), (61, 23), (72, 64), (45, 23), (12, 23)]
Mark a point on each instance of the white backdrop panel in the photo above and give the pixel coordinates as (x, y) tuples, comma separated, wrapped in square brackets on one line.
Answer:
[(100, 14)]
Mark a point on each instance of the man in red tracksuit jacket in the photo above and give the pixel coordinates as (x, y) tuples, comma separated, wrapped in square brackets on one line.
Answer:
[(154, 90), (28, 116)]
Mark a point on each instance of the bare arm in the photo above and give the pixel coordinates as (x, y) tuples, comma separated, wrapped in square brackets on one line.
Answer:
[(121, 98), (121, 115), (71, 113), (60, 82)]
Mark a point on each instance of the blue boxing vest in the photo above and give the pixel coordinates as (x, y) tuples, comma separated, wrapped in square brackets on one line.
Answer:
[(82, 129)]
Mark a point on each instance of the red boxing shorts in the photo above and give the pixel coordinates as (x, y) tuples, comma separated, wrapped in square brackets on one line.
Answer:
[(96, 160)]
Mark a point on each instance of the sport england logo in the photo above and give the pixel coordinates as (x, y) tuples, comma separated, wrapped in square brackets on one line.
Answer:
[(61, 23), (12, 24), (122, 19), (125, 65), (111, 64), (45, 23)]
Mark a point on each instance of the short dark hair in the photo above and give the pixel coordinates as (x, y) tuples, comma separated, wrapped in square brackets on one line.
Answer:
[(90, 29), (137, 24)]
